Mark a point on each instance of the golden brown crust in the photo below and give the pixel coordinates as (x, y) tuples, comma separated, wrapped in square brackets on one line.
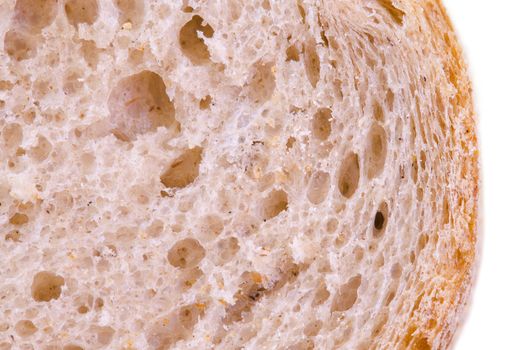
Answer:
[(445, 314)]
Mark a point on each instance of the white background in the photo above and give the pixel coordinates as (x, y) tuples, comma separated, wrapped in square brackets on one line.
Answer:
[(494, 35)]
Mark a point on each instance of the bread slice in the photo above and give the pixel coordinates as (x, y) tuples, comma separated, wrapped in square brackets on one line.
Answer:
[(223, 174)]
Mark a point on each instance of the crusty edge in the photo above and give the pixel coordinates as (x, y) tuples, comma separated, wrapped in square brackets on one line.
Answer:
[(456, 70), (465, 102)]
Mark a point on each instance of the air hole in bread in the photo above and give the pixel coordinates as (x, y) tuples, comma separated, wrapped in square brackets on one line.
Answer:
[(19, 45), (390, 297), (318, 187), (389, 99), (41, 150), (422, 344), (313, 328), (302, 11), (290, 142), (419, 193), (176, 326), (25, 328), (156, 228), (348, 175), (262, 83), (395, 12), (82, 309), (359, 254), (379, 262), (99, 303), (90, 53), (192, 41), (312, 63), (414, 169), (184, 170), (19, 219), (321, 295), (210, 226), (187, 9), (380, 220), (422, 242), (139, 104), (13, 236), (275, 203), (103, 334), (13, 135), (377, 110), (189, 277), (226, 249), (376, 150), (292, 53), (205, 103), (331, 225), (186, 253), (321, 124), (72, 347), (35, 15), (266, 5), (81, 11), (346, 295), (46, 286), (130, 11), (380, 324), (305, 344), (396, 271)]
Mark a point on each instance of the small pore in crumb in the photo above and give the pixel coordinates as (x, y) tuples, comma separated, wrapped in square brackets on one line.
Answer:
[(81, 11), (186, 253), (35, 15), (318, 187), (184, 170), (313, 328), (262, 83), (346, 295), (46, 286), (275, 203), (189, 277), (192, 40), (19, 45), (322, 124), (422, 344), (321, 295), (226, 249), (18, 219), (41, 150), (312, 62), (90, 53), (302, 11), (380, 220), (25, 328), (205, 103), (376, 150), (395, 12), (348, 175), (72, 347), (139, 104), (292, 53)]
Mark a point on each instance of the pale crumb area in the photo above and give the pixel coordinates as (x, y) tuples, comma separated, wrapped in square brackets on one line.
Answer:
[(221, 174)]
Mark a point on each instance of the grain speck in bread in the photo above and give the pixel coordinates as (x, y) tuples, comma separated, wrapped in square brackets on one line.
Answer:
[(234, 174)]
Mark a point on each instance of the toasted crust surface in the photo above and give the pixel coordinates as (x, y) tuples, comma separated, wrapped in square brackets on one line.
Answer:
[(225, 174)]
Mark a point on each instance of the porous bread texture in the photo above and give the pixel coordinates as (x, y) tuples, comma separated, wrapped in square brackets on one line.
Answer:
[(234, 174)]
